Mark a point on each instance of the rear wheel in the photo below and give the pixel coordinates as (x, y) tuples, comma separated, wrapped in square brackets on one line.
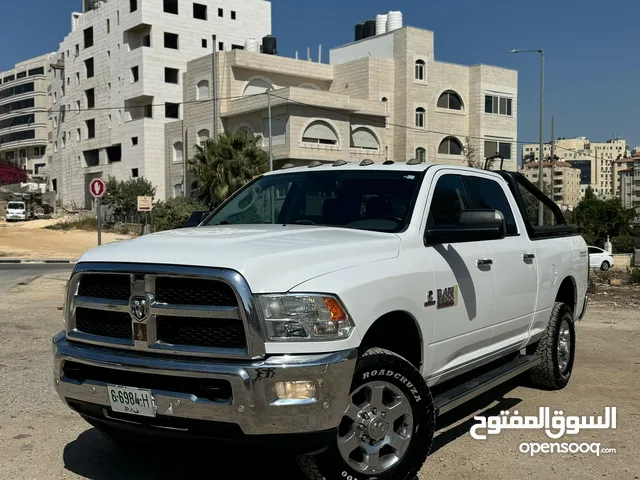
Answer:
[(388, 426), (557, 350), (605, 266)]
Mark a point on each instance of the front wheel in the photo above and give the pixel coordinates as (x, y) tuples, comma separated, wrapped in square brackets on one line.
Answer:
[(387, 429), (605, 266)]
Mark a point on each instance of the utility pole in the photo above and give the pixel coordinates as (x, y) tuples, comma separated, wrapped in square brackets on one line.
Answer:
[(540, 171), (270, 139), (214, 87), (553, 157)]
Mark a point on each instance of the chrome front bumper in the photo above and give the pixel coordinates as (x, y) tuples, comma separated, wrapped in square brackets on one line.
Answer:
[(254, 406)]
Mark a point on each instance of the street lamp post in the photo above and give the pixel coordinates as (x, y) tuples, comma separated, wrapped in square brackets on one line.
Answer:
[(541, 158)]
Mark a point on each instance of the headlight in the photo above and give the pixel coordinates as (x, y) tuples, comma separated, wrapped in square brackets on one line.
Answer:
[(305, 317)]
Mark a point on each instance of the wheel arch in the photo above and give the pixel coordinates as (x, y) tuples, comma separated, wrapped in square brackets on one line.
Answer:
[(407, 340), (568, 293)]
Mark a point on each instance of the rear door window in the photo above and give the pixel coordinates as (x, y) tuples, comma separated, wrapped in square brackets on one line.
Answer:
[(488, 194)]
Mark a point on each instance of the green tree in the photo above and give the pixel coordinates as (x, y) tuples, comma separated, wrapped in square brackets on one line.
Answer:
[(598, 219), (224, 165), (122, 197), (470, 153), (173, 213)]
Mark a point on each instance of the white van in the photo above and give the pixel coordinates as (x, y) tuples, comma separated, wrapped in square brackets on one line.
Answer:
[(16, 211)]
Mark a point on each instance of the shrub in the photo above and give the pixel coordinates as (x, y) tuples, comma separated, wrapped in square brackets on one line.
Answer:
[(173, 213), (85, 223), (623, 244), (635, 275)]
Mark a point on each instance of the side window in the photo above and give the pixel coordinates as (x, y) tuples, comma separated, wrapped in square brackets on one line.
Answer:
[(449, 199), (532, 205), (486, 193), (593, 250)]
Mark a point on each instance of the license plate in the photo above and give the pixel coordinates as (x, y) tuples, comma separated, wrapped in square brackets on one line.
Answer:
[(135, 401)]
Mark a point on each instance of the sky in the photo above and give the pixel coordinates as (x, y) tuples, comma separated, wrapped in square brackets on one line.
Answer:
[(590, 48)]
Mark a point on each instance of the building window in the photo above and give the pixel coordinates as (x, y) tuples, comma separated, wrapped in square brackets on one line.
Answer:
[(91, 128), (233, 15), (421, 154), (77, 78), (203, 136), (172, 110), (134, 141), (133, 5), (221, 46), (134, 173), (91, 97), (237, 47), (108, 26), (365, 139), (171, 6), (450, 146), (171, 40), (497, 105), (204, 43), (203, 90), (320, 133), (77, 49), (78, 135), (494, 148), (135, 74), (88, 37), (171, 75), (199, 11), (177, 152), (36, 71), (420, 117), (88, 66), (220, 12), (420, 69), (450, 100)]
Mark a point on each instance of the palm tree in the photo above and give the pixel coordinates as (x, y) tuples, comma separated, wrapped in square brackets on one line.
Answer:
[(224, 165)]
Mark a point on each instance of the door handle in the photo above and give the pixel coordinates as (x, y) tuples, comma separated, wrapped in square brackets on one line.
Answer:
[(484, 262), (528, 256)]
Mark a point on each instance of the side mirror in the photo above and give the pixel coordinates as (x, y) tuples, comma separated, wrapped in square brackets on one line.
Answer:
[(195, 219), (472, 226)]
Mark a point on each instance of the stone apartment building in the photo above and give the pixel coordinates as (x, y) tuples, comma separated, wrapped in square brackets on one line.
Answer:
[(384, 97), (118, 80), (565, 182), (629, 181), (595, 160), (24, 120)]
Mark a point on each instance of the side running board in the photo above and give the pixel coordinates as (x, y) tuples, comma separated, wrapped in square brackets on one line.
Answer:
[(456, 396)]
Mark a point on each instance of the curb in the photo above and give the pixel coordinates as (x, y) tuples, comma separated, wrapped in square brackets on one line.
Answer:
[(35, 261)]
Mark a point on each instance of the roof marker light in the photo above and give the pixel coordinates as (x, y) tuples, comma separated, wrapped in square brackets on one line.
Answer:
[(366, 162), (314, 164), (339, 163)]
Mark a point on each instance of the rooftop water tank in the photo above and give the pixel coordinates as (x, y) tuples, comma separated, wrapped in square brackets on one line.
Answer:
[(369, 28), (270, 45), (381, 24), (251, 45), (359, 31), (394, 21)]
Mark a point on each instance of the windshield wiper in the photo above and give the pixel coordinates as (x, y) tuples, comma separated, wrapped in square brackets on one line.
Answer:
[(303, 222)]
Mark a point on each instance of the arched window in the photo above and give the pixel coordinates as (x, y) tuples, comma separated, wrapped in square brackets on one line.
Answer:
[(321, 133), (203, 90), (364, 138), (420, 68), (246, 131), (203, 136), (450, 100), (450, 146), (177, 152), (421, 154), (257, 86), (420, 117)]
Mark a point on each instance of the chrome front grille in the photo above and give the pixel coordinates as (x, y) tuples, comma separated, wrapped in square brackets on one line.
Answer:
[(165, 309)]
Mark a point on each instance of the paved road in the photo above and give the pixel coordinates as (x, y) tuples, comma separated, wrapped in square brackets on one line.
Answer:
[(12, 275)]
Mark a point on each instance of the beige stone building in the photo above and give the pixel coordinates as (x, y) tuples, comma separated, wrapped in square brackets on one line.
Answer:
[(24, 118), (595, 160), (566, 181), (629, 181), (381, 98)]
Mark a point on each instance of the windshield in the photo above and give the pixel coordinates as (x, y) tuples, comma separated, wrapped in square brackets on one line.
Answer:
[(15, 206), (375, 200)]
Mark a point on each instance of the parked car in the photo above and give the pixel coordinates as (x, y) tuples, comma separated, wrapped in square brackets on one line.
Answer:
[(333, 310), (599, 258)]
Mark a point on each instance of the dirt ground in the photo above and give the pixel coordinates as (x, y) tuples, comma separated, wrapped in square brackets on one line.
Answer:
[(40, 438), (31, 240)]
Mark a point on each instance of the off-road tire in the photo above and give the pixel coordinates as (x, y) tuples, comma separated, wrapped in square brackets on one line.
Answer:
[(329, 464), (605, 266), (548, 374)]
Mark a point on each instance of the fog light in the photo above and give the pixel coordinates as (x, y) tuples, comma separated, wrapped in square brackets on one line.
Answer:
[(302, 390)]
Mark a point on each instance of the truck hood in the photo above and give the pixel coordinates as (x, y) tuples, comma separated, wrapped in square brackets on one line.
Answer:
[(272, 258)]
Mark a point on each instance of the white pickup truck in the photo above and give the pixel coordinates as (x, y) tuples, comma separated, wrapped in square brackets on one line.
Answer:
[(337, 309)]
